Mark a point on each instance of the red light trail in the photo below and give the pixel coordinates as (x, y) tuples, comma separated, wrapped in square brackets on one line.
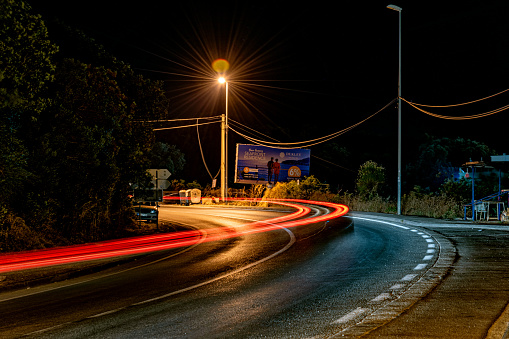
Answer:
[(136, 245)]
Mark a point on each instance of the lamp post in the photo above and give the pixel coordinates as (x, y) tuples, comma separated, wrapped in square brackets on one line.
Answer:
[(399, 9), (224, 145)]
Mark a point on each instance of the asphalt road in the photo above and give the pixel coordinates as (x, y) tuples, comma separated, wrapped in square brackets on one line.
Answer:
[(381, 278)]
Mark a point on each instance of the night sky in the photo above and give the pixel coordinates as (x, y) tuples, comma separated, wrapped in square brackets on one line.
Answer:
[(303, 71)]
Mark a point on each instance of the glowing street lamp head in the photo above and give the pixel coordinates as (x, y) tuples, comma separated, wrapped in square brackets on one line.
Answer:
[(221, 80)]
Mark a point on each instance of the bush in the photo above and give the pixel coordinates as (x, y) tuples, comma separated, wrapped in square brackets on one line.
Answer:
[(375, 203), (370, 179), (310, 188), (15, 235), (431, 205)]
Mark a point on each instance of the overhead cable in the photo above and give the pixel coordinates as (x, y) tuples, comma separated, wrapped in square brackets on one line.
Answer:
[(185, 126), (309, 143), (250, 129), (202, 156), (314, 156), (461, 104), (465, 117), (186, 119), (330, 162)]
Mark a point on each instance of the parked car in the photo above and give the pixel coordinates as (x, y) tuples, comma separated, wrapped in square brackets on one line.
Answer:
[(146, 213)]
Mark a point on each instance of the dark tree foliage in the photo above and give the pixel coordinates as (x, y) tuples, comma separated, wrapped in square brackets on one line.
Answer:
[(166, 156), (437, 158), (26, 67), (73, 134)]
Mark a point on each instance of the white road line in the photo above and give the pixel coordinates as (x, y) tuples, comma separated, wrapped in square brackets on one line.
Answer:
[(105, 313), (383, 222), (350, 316), (292, 241), (409, 277), (397, 286), (420, 267), (381, 297)]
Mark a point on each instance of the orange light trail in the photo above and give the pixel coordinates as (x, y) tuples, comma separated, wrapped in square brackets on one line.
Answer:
[(158, 242)]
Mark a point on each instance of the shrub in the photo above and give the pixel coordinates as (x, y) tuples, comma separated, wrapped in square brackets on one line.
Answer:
[(309, 188), (15, 235), (431, 205), (370, 179)]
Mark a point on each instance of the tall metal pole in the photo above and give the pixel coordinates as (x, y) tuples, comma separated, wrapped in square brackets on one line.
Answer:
[(226, 146), (473, 193), (399, 9), (224, 150)]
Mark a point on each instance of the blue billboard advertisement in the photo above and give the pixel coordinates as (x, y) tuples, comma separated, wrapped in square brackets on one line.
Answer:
[(262, 164)]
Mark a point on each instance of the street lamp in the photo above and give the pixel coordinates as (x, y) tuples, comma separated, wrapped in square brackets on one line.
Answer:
[(399, 9), (224, 145)]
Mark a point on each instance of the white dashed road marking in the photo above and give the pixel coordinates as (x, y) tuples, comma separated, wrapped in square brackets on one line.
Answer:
[(359, 313), (351, 316)]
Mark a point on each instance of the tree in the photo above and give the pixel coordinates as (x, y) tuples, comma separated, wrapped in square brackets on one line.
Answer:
[(370, 179), (80, 127), (26, 59), (438, 157), (166, 156), (26, 67), (25, 54)]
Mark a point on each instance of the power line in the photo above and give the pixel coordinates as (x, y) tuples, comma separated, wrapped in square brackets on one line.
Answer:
[(185, 126), (250, 129), (465, 117), (186, 119), (202, 156), (309, 143), (461, 104), (330, 162), (314, 156)]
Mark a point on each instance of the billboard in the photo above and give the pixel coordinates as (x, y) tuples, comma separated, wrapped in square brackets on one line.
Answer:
[(253, 162)]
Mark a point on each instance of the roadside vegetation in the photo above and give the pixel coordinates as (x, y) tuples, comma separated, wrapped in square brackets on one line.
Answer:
[(74, 134), (370, 195)]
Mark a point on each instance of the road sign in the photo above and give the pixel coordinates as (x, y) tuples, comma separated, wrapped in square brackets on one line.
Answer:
[(162, 173), (162, 184)]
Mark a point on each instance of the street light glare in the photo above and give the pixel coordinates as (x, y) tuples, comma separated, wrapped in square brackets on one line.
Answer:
[(221, 80)]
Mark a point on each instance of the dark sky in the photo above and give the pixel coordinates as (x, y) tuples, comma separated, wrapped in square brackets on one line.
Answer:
[(302, 71)]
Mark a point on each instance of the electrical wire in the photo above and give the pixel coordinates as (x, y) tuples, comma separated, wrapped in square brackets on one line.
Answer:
[(313, 156), (465, 117), (185, 126), (330, 162), (186, 119), (241, 126), (202, 156), (461, 104), (308, 143)]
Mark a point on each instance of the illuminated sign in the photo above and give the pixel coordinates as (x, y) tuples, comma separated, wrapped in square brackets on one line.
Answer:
[(262, 164)]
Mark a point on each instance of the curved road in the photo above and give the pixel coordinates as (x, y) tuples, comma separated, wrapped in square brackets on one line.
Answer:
[(320, 280)]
